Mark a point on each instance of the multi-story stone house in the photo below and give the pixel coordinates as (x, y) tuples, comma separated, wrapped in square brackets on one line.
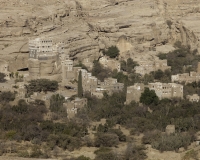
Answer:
[(44, 48), (111, 85), (89, 82), (193, 98), (44, 59), (110, 63), (162, 90), (145, 67), (167, 90)]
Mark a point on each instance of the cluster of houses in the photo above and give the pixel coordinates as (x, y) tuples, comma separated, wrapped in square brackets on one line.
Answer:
[(44, 49)]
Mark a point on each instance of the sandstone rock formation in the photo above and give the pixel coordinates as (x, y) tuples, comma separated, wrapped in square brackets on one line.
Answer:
[(88, 26)]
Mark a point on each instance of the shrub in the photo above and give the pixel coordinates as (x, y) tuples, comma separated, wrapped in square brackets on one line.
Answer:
[(106, 140), (81, 65), (100, 72), (119, 133), (172, 142), (162, 56), (39, 85), (56, 103), (82, 158), (169, 23), (104, 153), (7, 96), (192, 154), (112, 52), (134, 152), (2, 77)]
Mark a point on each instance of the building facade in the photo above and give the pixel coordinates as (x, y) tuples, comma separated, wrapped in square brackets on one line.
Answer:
[(44, 48), (162, 90)]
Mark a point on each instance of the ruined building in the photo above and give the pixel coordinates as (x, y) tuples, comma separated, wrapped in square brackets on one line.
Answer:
[(110, 63), (193, 98), (73, 106), (134, 92), (145, 67), (162, 90), (187, 77)]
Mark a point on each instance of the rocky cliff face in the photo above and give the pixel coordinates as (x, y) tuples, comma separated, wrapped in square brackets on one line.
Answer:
[(87, 26)]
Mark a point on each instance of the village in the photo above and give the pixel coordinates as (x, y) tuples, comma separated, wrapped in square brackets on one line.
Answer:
[(44, 55), (48, 61)]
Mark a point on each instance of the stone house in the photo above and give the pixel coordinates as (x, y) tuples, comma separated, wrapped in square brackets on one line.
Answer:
[(110, 63), (40, 48), (167, 90), (145, 66), (193, 98), (111, 85), (162, 90), (73, 106), (89, 82)]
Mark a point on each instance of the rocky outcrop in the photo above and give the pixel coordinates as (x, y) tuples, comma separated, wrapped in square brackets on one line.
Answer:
[(88, 26)]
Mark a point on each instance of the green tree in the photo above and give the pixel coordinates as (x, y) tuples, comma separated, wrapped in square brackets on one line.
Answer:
[(2, 77), (130, 65), (80, 86), (39, 85), (7, 96), (56, 103), (112, 52), (12, 75), (100, 72), (158, 74), (106, 139), (149, 97), (16, 75)]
